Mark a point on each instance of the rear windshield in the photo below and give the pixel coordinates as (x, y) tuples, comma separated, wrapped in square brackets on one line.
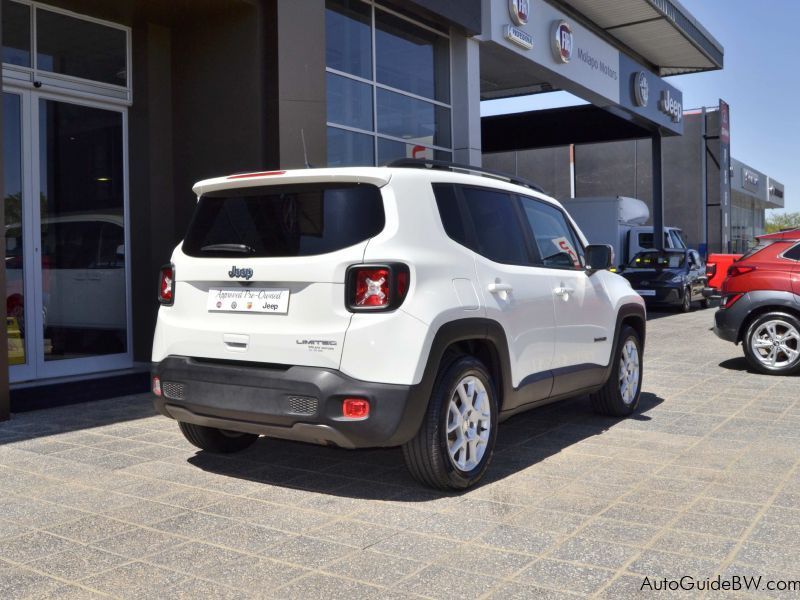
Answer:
[(658, 260), (297, 220)]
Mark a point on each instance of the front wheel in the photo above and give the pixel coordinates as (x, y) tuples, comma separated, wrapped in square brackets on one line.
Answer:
[(686, 301), (772, 344), (619, 397), (455, 442), (219, 441)]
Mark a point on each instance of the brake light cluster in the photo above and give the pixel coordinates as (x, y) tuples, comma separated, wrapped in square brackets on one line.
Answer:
[(711, 270), (166, 285), (376, 287)]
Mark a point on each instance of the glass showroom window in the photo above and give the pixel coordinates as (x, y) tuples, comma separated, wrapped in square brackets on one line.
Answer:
[(388, 86)]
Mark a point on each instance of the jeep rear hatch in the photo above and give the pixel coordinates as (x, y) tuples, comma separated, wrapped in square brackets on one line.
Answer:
[(261, 273)]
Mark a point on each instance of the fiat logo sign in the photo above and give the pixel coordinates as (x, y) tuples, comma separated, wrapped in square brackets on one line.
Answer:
[(562, 41), (519, 10), (641, 89)]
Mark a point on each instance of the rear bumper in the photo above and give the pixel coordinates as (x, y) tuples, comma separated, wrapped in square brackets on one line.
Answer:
[(728, 321), (289, 402), (711, 293)]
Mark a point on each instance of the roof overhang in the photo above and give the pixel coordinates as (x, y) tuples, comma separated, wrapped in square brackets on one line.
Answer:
[(661, 32)]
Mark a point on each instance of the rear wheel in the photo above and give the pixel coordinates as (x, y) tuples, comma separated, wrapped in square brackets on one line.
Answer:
[(219, 441), (455, 442), (772, 343), (619, 397)]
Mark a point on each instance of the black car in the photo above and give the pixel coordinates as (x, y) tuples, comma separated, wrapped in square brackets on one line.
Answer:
[(668, 277)]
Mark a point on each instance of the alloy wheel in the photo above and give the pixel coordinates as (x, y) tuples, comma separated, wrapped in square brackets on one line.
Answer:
[(468, 423), (629, 371), (776, 344)]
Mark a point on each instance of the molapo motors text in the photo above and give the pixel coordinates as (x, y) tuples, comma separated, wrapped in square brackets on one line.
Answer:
[(597, 65)]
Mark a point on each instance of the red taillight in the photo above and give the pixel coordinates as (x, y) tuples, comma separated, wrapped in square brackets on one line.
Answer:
[(157, 386), (372, 287), (376, 287), (166, 285), (736, 270), (711, 270), (731, 300), (355, 408)]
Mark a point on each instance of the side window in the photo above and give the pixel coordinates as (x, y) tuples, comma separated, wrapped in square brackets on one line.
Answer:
[(555, 239), (498, 232), (450, 213), (793, 253)]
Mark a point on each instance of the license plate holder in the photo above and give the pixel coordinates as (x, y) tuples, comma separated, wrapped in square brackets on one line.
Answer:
[(249, 300)]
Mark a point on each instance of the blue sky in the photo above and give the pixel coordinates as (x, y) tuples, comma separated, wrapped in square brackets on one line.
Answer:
[(761, 82)]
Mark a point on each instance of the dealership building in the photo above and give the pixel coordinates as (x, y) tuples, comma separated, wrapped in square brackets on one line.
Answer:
[(718, 209), (112, 110)]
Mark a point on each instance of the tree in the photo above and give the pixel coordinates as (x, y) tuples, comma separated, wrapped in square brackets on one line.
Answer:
[(776, 221)]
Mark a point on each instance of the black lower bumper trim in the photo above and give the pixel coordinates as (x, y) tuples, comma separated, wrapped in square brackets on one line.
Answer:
[(298, 403)]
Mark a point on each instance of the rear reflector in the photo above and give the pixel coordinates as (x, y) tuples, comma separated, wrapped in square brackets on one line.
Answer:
[(355, 408), (261, 174), (157, 386), (731, 300)]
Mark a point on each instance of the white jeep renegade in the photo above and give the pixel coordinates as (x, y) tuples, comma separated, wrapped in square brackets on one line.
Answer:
[(388, 306)]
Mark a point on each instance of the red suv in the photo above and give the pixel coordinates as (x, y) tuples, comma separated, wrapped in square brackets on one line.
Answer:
[(761, 304)]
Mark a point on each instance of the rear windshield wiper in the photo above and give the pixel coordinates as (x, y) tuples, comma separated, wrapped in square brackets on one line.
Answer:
[(235, 248)]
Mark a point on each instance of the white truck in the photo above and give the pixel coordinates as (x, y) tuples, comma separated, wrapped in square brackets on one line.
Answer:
[(620, 222)]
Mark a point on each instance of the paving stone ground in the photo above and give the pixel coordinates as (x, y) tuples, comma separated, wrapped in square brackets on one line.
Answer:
[(107, 499)]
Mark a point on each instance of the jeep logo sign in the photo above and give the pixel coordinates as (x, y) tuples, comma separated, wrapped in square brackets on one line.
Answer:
[(670, 106), (562, 41), (519, 11), (237, 272)]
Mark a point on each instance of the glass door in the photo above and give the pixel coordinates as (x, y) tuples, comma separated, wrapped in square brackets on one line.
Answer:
[(66, 255), (82, 274), (19, 259)]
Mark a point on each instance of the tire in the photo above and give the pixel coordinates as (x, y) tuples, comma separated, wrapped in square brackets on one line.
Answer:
[(705, 303), (609, 399), (759, 344), (218, 441), (434, 457), (686, 301)]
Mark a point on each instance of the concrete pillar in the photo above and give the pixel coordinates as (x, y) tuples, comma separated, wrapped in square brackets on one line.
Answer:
[(302, 108), (658, 193), (466, 99)]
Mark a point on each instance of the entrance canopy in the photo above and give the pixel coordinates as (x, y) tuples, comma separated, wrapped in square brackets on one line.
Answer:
[(668, 39), (584, 124)]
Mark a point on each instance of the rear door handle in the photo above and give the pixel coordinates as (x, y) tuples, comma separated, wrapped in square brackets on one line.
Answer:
[(496, 288)]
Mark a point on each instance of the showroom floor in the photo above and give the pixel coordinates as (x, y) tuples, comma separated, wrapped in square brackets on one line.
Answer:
[(108, 499)]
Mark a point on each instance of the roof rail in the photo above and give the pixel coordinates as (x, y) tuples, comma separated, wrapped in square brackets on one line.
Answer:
[(423, 163)]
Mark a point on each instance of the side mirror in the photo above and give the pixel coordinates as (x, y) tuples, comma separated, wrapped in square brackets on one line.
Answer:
[(121, 250), (599, 257)]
